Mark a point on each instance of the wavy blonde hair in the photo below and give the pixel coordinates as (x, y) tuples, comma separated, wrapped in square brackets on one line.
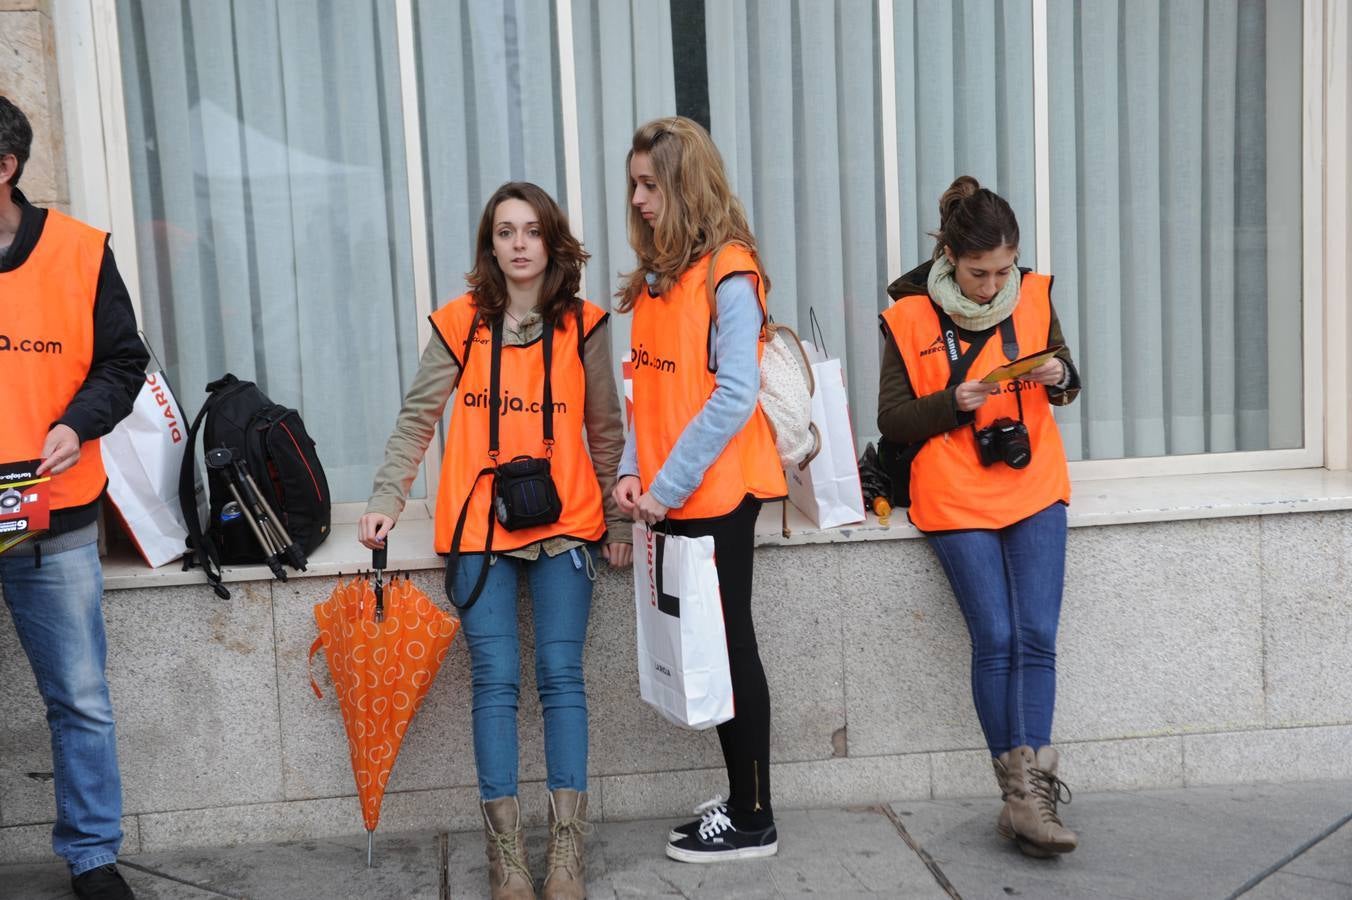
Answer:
[(700, 213)]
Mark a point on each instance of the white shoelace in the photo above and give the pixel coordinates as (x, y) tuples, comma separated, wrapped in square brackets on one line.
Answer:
[(715, 822), (716, 802)]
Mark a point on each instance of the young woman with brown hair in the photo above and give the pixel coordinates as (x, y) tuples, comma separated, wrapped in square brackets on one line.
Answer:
[(700, 456), (520, 325)]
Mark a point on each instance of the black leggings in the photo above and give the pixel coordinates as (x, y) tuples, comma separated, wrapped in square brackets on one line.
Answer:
[(746, 737)]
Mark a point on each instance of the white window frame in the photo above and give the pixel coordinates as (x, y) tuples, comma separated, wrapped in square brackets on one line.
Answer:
[(100, 173), (1317, 307)]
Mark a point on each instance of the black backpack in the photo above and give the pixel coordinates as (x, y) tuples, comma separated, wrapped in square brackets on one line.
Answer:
[(261, 462)]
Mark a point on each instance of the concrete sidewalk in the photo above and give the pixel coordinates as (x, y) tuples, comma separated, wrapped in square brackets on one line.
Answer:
[(1261, 841)]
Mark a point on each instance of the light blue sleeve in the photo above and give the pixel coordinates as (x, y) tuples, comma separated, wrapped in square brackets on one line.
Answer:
[(729, 407), (629, 462)]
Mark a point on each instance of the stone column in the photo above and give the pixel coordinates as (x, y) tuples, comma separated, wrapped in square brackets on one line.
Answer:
[(28, 77)]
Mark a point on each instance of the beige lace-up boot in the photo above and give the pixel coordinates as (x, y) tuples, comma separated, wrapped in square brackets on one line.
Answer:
[(1033, 793), (566, 866), (508, 871)]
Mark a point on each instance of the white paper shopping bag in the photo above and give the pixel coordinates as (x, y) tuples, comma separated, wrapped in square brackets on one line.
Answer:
[(682, 645), (142, 457), (827, 490)]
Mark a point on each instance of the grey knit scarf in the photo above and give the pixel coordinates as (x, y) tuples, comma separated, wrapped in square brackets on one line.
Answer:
[(969, 314)]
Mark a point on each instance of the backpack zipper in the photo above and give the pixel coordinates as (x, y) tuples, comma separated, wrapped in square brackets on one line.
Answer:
[(305, 462)]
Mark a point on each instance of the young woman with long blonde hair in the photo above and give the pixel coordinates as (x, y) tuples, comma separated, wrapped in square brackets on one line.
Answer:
[(701, 456)]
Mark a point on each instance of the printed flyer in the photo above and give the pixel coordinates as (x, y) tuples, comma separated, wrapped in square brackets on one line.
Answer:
[(24, 510)]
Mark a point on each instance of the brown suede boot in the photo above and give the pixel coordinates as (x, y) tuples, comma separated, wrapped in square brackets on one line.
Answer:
[(1033, 794), (566, 877), (508, 870), (1001, 766), (1003, 825)]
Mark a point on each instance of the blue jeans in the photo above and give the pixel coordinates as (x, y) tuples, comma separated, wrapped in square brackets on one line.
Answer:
[(561, 594), (58, 614), (1008, 584)]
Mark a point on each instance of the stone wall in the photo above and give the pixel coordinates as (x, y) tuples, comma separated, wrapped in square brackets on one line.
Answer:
[(28, 78), (1192, 652)]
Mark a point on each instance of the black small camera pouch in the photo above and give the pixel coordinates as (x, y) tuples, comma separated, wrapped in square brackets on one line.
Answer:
[(524, 493)]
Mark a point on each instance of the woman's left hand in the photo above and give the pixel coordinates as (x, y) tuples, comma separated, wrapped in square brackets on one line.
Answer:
[(649, 510), (618, 555), (1051, 373)]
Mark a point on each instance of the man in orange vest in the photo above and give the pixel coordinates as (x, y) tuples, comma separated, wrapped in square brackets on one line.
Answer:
[(71, 364)]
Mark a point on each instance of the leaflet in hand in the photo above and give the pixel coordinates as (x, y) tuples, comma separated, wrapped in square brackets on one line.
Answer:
[(1023, 365), (24, 499)]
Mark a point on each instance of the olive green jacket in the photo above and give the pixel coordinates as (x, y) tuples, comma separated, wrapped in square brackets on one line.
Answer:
[(907, 419)]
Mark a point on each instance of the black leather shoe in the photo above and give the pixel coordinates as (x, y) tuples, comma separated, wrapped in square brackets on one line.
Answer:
[(103, 883)]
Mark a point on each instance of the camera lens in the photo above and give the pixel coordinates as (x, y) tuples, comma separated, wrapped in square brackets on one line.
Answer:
[(10, 500)]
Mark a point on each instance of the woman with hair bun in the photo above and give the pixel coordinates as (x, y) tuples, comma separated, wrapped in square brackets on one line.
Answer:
[(988, 479)]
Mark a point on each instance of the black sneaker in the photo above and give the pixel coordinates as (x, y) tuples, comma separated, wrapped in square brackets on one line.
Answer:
[(692, 828), (717, 840), (103, 883)]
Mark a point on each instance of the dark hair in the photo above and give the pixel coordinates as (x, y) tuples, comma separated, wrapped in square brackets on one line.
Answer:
[(973, 219), (563, 273), (16, 136)]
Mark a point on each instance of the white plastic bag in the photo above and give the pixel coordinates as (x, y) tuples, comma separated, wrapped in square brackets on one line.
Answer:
[(682, 645), (827, 490), (142, 457)]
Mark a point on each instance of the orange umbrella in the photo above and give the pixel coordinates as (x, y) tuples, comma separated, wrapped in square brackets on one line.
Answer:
[(384, 646)]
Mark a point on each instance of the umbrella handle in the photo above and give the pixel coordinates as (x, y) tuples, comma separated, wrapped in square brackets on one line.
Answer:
[(379, 558)]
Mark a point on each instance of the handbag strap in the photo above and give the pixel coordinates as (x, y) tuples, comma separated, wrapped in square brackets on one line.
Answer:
[(495, 413), (453, 558), (495, 387)]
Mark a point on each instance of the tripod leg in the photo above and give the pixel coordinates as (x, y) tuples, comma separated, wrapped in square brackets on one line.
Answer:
[(253, 525)]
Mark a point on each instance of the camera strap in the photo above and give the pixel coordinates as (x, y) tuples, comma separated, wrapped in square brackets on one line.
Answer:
[(490, 471), (960, 363)]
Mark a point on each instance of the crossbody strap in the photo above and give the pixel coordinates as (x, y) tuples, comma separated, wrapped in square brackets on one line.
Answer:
[(453, 558), (961, 363), (495, 387), (491, 471)]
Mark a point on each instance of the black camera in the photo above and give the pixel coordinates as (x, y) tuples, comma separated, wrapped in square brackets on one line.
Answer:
[(1006, 441)]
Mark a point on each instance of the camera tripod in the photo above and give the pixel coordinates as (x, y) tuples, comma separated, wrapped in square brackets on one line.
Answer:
[(262, 520)]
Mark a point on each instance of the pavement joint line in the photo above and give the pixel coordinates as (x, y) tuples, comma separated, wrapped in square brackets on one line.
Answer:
[(919, 851), (1289, 858), (444, 849), (158, 874)]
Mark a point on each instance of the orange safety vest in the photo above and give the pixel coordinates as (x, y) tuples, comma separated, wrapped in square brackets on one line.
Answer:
[(950, 489), (673, 379), (521, 430), (46, 348)]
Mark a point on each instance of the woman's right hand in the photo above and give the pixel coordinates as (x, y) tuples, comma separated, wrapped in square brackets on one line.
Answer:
[(627, 491), (972, 395), (372, 529)]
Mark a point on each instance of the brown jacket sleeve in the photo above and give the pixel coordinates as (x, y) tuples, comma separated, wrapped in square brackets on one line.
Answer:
[(413, 430), (907, 419), (605, 429), (1062, 396)]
